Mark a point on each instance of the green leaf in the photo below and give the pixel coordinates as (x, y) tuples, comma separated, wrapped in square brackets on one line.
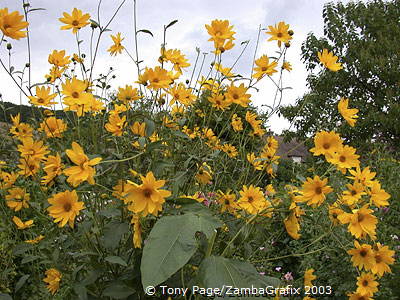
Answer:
[(150, 126), (218, 271), (5, 297), (21, 248), (116, 260), (166, 250), (145, 31), (21, 282), (118, 290), (29, 258), (81, 291), (113, 233), (170, 24), (110, 212)]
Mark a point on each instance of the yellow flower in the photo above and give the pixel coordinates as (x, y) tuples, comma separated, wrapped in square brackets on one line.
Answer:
[(237, 123), (287, 66), (75, 21), (117, 47), (326, 143), (11, 24), (220, 30), (263, 67), (116, 124), (22, 225), (227, 201), (84, 167), (378, 195), (31, 149), (181, 94), (53, 167), (17, 198), (383, 258), (345, 157), (224, 71), (75, 92), (362, 256), (308, 277), (255, 161), (121, 190), (7, 179), (53, 278), (364, 177), (366, 284), (28, 166), (358, 296), (139, 128), (43, 97), (35, 240), (314, 190), (147, 197), (137, 231), (64, 207), (292, 226), (334, 213), (353, 193), (55, 73), (252, 199), (219, 101), (271, 143), (58, 58), (329, 60), (20, 130), (279, 33), (349, 114), (53, 127), (227, 45), (361, 222), (158, 78), (176, 58), (204, 174), (230, 150)]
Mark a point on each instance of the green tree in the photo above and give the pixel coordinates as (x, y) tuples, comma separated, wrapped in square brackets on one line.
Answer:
[(366, 38)]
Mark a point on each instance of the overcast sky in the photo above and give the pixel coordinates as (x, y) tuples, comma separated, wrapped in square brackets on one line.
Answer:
[(303, 16)]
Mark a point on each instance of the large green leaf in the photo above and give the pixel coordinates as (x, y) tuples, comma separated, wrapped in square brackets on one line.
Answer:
[(218, 271), (118, 290), (171, 244)]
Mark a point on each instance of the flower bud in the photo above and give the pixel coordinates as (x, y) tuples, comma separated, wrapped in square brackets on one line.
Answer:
[(9, 46), (290, 32), (287, 44)]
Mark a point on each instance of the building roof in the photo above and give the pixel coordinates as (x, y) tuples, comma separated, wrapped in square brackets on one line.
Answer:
[(291, 148)]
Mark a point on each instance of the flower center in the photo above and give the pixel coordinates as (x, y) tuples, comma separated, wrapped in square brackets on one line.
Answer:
[(363, 253), (365, 283), (75, 95), (67, 207), (326, 146), (147, 193), (6, 26), (378, 259), (75, 23), (235, 96), (40, 100), (353, 192), (279, 35), (360, 218), (318, 190), (226, 202), (156, 80), (250, 199), (342, 158), (263, 69)]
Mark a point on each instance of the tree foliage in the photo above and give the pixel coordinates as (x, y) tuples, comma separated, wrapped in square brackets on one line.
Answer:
[(366, 38)]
